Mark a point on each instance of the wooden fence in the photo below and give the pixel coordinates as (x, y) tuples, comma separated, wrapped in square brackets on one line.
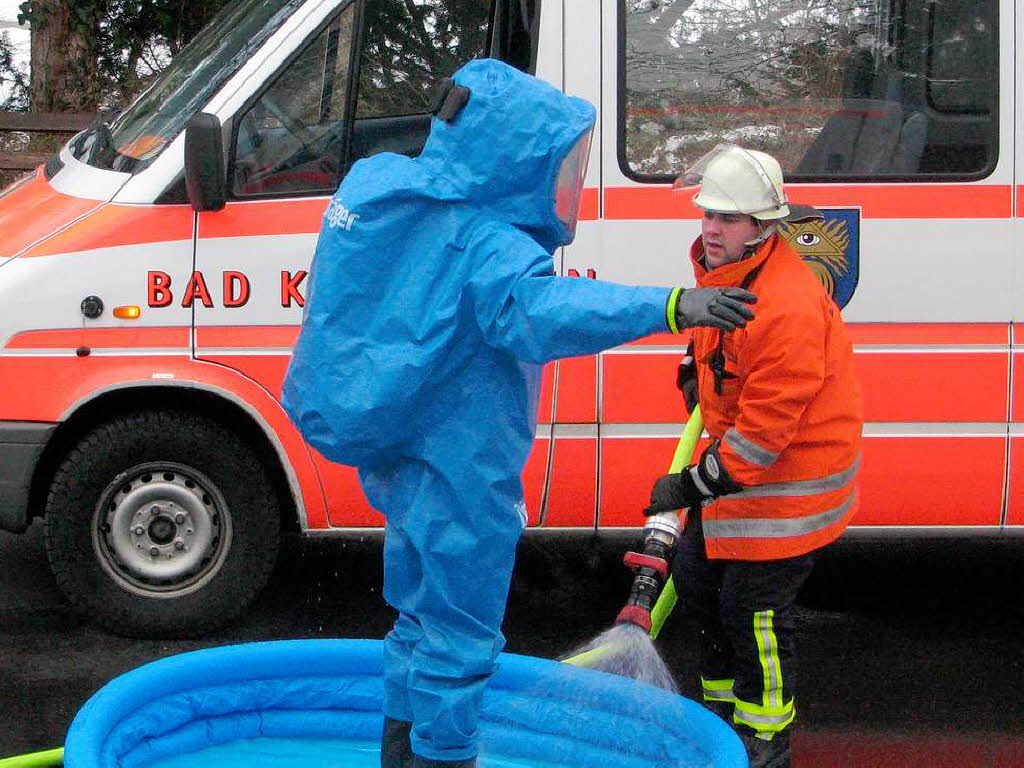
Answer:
[(38, 122)]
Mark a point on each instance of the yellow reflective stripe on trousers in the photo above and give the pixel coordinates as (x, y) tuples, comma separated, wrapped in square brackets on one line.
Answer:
[(717, 690), (768, 655), (763, 719), (772, 714)]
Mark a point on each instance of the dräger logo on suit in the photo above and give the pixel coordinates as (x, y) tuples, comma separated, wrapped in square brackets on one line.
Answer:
[(340, 217)]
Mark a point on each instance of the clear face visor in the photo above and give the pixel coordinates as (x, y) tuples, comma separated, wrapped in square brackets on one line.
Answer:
[(737, 183), (569, 183)]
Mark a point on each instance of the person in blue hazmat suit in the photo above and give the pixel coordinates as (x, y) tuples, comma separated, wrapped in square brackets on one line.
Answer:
[(432, 304)]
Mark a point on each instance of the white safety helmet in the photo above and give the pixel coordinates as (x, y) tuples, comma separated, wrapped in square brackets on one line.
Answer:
[(737, 180)]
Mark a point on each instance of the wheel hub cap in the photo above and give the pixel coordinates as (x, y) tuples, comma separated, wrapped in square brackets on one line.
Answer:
[(162, 528)]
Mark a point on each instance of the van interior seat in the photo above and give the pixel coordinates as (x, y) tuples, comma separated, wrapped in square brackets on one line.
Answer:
[(872, 132)]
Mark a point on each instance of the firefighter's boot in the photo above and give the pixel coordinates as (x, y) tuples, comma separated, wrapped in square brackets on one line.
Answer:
[(763, 753), (723, 709), (395, 749)]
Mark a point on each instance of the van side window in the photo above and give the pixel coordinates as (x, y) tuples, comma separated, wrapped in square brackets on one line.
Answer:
[(962, 57), (863, 90), (407, 49), (291, 139)]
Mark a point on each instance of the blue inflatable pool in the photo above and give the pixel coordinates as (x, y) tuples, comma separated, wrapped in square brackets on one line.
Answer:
[(307, 703)]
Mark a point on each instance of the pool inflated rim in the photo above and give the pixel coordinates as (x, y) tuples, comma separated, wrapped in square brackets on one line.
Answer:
[(533, 708)]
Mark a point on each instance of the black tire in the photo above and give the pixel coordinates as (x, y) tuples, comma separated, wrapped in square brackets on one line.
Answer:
[(161, 524)]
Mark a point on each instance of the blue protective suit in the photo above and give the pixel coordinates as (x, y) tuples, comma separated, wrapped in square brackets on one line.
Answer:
[(432, 303)]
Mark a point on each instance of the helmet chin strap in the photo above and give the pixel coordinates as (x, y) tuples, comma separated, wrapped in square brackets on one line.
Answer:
[(767, 229)]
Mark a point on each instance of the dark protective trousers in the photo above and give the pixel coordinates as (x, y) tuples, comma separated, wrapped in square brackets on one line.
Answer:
[(743, 611)]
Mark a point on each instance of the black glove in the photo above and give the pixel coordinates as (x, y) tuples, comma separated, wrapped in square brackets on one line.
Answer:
[(686, 379), (693, 486), (724, 308)]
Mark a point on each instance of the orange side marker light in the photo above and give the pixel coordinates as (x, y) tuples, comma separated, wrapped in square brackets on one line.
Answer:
[(127, 312)]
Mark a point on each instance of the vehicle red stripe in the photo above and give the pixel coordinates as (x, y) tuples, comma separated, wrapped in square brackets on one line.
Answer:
[(305, 216), (931, 480), (103, 338), (1015, 491), (35, 210), (577, 390), (49, 386), (876, 201), (898, 386), (934, 387), (1017, 393), (246, 336), (590, 204), (925, 334), (882, 334), (573, 486), (955, 480), (120, 225), (256, 217)]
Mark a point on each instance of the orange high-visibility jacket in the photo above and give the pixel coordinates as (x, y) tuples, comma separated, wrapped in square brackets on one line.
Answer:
[(789, 422)]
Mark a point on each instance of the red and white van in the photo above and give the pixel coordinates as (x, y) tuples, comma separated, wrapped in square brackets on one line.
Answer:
[(152, 277)]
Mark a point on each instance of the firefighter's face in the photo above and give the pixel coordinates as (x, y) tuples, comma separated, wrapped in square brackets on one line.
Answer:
[(725, 236)]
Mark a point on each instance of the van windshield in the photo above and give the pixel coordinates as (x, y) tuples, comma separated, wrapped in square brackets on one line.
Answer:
[(135, 138)]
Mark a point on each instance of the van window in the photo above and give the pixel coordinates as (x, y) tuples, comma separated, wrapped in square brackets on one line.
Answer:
[(962, 58), (863, 90), (291, 139), (408, 48), (140, 133)]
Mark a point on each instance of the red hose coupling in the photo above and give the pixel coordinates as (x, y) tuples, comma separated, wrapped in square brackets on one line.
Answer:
[(634, 560), (634, 614)]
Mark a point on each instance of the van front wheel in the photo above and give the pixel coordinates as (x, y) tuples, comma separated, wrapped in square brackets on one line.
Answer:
[(161, 524)]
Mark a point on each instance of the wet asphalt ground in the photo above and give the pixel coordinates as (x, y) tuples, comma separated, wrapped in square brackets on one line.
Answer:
[(912, 652)]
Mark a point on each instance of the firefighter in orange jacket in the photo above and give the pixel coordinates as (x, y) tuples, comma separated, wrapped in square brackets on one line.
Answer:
[(779, 481)]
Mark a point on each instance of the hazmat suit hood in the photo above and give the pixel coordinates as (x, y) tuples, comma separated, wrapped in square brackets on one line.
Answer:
[(513, 178)]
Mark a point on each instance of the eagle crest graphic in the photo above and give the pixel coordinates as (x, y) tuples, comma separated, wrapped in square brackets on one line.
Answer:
[(823, 244)]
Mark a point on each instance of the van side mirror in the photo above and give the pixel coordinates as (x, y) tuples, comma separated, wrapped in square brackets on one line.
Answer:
[(205, 181)]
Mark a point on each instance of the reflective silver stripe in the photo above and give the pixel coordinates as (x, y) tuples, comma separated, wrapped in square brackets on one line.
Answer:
[(801, 487), (719, 695), (699, 483), (749, 450), (718, 690), (774, 527), (746, 716)]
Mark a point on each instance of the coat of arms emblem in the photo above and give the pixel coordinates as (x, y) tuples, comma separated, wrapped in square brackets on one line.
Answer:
[(831, 249)]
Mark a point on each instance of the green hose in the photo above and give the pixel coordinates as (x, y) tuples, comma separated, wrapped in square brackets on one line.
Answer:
[(667, 599), (49, 757), (684, 453), (688, 441)]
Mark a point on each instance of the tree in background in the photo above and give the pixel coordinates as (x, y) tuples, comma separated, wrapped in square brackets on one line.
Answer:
[(13, 81), (96, 55), (410, 45), (91, 55)]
